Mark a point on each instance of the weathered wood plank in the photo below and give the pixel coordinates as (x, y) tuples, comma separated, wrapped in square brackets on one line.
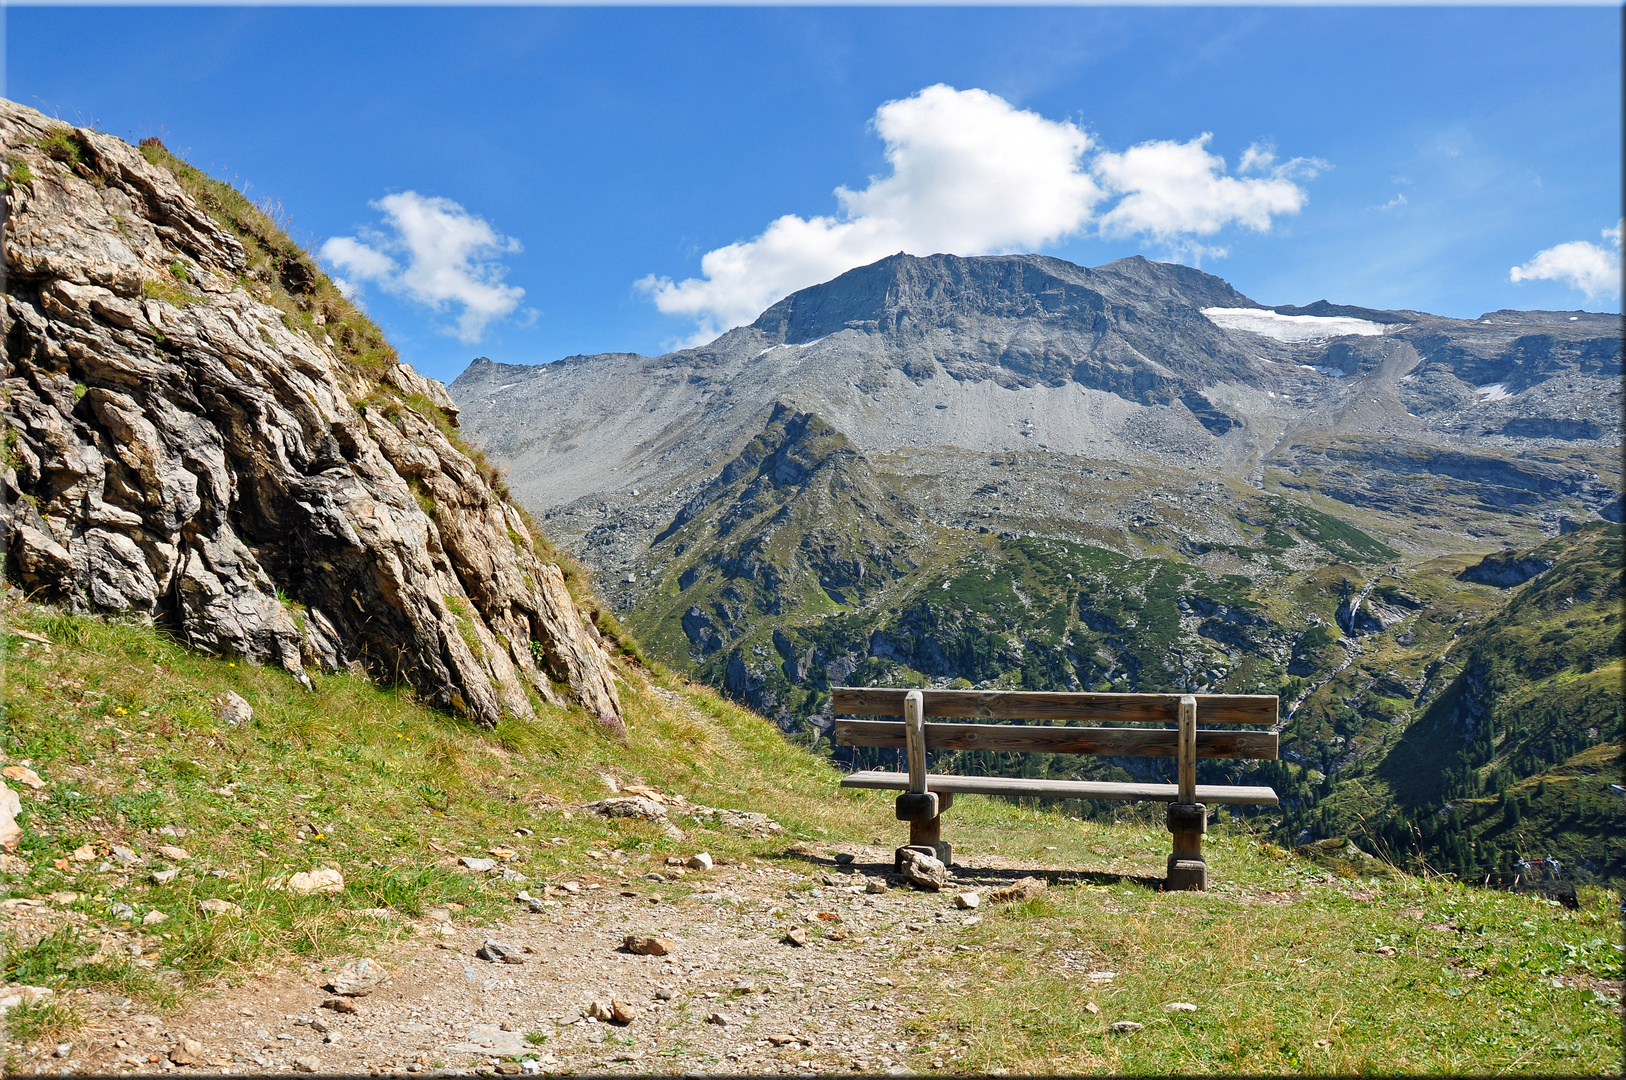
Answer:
[(1044, 705), (1019, 738), (914, 730), (1210, 794), (1188, 748)]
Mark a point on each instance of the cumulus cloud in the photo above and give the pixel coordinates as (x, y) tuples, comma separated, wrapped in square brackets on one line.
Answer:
[(1173, 189), (1580, 264), (970, 174), (435, 253), (973, 175)]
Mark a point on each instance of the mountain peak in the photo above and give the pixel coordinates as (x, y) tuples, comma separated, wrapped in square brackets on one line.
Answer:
[(903, 291)]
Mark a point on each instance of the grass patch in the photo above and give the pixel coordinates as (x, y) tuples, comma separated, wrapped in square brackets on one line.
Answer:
[(1283, 963), (119, 718)]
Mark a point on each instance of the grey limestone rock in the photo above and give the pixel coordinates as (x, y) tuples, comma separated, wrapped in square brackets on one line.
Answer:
[(177, 448)]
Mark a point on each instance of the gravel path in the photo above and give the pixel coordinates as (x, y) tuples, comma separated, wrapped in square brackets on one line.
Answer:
[(732, 995)]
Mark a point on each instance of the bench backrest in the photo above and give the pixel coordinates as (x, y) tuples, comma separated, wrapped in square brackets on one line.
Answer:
[(1185, 742)]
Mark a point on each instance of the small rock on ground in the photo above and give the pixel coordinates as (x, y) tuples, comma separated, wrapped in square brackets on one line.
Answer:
[(358, 978), (924, 871), (500, 952), (649, 946)]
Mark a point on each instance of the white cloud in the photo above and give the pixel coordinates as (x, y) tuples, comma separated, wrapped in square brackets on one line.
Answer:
[(1260, 156), (1580, 264), (451, 258), (970, 174), (1171, 190), (973, 175)]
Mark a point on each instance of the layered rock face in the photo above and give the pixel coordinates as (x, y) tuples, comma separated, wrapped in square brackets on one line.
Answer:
[(178, 446)]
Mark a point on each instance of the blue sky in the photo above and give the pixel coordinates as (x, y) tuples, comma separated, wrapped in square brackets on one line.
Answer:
[(499, 181)]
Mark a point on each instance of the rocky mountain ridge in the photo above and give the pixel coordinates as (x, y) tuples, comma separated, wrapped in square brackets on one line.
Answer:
[(199, 429), (936, 361)]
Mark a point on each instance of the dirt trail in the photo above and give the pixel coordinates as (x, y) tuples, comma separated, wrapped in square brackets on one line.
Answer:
[(840, 1002)]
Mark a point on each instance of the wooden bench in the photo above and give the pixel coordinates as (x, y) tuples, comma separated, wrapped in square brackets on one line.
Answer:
[(924, 797)]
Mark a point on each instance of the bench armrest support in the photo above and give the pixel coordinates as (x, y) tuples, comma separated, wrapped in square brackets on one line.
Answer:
[(1188, 749), (914, 728)]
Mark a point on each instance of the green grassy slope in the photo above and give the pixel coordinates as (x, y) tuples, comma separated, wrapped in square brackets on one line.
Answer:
[(118, 721)]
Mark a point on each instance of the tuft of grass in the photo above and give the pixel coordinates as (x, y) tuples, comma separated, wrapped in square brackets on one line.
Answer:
[(64, 145), (16, 172), (169, 292), (45, 1021)]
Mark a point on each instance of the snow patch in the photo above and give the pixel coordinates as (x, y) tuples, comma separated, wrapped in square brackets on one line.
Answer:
[(1337, 373), (1494, 392), (1291, 328)]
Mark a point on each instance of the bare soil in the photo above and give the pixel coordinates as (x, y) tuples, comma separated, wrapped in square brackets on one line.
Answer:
[(841, 1002)]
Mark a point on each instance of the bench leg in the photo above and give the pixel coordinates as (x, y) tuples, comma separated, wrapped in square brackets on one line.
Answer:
[(1187, 871), (927, 833)]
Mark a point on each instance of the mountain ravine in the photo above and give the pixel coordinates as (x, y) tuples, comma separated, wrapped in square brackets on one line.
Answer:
[(200, 430)]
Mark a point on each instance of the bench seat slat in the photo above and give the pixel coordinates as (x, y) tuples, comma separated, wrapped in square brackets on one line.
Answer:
[(1211, 794), (1108, 742), (1045, 705)]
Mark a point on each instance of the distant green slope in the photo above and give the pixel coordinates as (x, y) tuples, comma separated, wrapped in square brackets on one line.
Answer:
[(805, 566)]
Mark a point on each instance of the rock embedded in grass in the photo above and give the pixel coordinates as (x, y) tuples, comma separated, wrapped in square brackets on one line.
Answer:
[(324, 880), (1021, 889), (699, 861), (967, 901), (11, 834), (232, 709), (216, 907), (1124, 1026), (630, 806)]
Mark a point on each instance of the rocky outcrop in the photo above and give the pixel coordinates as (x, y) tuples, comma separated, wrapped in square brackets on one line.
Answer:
[(185, 439), (1505, 570)]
